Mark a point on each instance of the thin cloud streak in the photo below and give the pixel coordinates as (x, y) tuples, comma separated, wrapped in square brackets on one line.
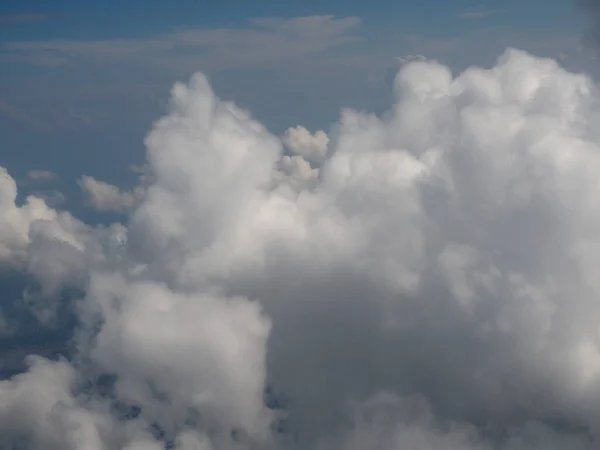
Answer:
[(482, 12), (262, 40)]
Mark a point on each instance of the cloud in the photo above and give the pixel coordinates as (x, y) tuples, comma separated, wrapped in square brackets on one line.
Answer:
[(106, 197), (52, 198), (262, 40), (310, 147), (41, 175), (48, 245), (431, 283), (17, 220), (482, 12)]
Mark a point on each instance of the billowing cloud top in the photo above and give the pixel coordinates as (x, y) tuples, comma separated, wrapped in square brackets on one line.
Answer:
[(423, 280), (312, 147)]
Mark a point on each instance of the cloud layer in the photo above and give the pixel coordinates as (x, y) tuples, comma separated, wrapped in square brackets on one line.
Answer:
[(261, 41), (425, 279)]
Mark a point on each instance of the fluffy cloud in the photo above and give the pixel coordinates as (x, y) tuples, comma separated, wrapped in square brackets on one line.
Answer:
[(312, 147), (103, 196), (32, 224), (52, 247), (39, 411), (425, 279)]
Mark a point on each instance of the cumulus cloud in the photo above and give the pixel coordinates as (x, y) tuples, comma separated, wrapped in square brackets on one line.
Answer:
[(16, 221), (312, 147), (52, 198), (103, 196), (429, 281), (49, 245)]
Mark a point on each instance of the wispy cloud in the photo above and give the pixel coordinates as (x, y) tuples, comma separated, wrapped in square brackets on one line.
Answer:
[(261, 40), (22, 18), (481, 12), (41, 175)]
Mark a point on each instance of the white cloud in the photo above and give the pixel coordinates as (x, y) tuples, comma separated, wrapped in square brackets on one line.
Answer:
[(444, 253), (482, 12), (52, 198), (50, 245), (177, 354), (15, 221), (312, 147), (38, 410), (103, 196), (297, 173)]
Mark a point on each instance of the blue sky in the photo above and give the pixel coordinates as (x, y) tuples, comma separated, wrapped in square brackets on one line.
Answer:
[(110, 18), (83, 81)]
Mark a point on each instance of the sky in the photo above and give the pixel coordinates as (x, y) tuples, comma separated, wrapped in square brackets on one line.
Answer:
[(324, 225), (72, 71)]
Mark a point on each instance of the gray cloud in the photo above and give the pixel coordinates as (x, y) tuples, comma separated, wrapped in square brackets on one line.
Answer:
[(41, 175), (107, 197)]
